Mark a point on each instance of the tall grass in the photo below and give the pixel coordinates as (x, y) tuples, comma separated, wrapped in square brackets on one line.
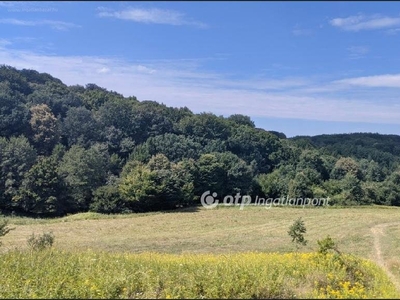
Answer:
[(89, 274)]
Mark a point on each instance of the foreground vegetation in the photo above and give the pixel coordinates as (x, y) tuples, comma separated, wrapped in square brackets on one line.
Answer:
[(68, 149), (203, 253), (59, 274)]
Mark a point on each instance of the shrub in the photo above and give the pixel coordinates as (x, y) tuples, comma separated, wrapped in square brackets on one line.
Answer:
[(4, 229), (327, 244), (40, 242)]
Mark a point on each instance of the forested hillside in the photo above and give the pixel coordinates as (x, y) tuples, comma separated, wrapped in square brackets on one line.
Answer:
[(66, 149)]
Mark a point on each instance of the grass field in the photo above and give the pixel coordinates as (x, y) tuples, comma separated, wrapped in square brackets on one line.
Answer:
[(226, 229), (369, 232)]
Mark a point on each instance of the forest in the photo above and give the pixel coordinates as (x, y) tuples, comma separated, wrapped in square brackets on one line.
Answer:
[(68, 149)]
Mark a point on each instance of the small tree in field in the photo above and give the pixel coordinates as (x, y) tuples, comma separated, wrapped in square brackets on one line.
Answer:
[(4, 229), (297, 231)]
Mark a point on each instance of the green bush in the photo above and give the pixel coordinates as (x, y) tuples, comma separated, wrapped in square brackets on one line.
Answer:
[(40, 242), (107, 200), (327, 244)]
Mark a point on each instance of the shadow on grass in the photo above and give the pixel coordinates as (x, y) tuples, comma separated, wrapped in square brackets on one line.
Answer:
[(186, 209)]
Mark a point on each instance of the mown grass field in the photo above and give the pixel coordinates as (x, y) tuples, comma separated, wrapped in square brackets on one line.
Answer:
[(226, 229), (217, 235)]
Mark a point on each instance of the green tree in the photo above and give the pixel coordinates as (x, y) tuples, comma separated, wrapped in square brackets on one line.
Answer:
[(80, 128), (138, 187), (120, 128), (352, 190), (276, 183), (312, 159), (13, 113), (43, 191), (184, 174), (205, 126), (391, 189), (300, 186), (56, 95), (107, 199), (94, 96), (158, 185), (371, 171), (16, 157), (238, 119), (84, 171), (346, 165), (45, 128), (254, 145), (151, 119), (238, 175), (14, 80), (209, 175), (175, 147)]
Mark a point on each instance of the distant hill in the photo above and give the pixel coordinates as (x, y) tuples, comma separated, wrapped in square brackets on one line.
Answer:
[(382, 148)]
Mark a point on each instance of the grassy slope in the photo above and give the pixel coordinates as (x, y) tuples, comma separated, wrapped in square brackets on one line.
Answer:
[(218, 231)]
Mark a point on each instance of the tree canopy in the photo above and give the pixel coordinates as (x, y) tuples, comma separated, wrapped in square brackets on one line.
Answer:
[(67, 149)]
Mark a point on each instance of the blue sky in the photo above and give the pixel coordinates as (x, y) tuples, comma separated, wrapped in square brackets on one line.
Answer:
[(302, 68)]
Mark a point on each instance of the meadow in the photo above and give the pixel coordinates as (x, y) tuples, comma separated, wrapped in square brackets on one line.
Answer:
[(200, 253)]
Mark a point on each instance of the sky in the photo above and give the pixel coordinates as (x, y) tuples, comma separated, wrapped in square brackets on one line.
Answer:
[(301, 68)]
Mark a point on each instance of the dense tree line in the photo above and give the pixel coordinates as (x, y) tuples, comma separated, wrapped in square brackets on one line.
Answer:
[(66, 149)]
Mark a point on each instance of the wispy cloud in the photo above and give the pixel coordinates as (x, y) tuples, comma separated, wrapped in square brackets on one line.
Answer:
[(181, 83), (7, 3), (29, 6), (382, 81), (58, 25), (393, 31), (356, 52), (152, 15), (361, 22), (4, 42)]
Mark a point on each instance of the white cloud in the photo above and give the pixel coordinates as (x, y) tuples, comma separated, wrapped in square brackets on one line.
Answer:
[(103, 70), (361, 22), (58, 25), (385, 81), (152, 15), (177, 84), (144, 69)]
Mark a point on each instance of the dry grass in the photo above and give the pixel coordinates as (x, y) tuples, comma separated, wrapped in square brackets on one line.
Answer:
[(213, 231), (391, 249)]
